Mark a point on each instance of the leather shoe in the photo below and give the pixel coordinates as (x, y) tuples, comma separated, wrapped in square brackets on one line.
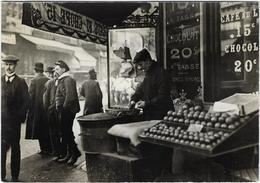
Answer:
[(58, 157), (74, 158), (65, 159)]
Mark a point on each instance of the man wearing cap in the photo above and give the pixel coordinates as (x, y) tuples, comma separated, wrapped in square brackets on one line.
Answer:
[(153, 94), (14, 106), (37, 126), (59, 149), (67, 105), (93, 95)]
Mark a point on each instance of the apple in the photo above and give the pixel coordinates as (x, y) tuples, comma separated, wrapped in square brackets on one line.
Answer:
[(223, 125), (176, 119), (201, 117), (197, 144), (226, 134), (217, 114), (184, 107), (187, 121), (197, 108), (195, 116), (231, 127), (177, 140), (209, 124), (192, 143), (234, 116), (203, 123), (207, 140), (190, 116), (221, 133), (170, 118), (208, 146), (207, 118), (174, 114), (182, 141), (191, 109), (186, 142), (181, 120), (169, 112), (221, 119), (213, 119), (192, 121), (165, 118), (197, 122), (216, 135), (217, 125), (203, 146), (196, 138), (224, 115), (168, 138), (237, 124), (191, 137), (229, 120)]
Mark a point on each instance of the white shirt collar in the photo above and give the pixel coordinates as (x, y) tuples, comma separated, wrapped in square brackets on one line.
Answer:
[(9, 77)]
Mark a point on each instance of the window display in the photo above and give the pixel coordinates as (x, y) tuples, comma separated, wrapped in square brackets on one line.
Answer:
[(124, 77)]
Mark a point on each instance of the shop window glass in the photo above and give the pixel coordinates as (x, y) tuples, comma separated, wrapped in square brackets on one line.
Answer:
[(239, 41), (124, 77)]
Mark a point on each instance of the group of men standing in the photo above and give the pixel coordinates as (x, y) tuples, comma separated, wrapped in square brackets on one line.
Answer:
[(50, 104)]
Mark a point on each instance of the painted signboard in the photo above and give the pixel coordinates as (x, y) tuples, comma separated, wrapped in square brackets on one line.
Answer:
[(51, 17)]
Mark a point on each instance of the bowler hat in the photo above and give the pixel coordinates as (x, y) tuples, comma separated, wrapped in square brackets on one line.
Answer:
[(142, 55), (38, 66), (10, 58), (62, 64), (49, 69), (92, 74)]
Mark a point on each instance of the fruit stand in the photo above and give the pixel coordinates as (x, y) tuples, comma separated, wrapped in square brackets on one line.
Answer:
[(208, 134)]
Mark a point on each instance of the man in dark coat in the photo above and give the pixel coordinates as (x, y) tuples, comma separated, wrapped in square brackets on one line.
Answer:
[(59, 148), (14, 106), (67, 105), (37, 126), (93, 95), (153, 94)]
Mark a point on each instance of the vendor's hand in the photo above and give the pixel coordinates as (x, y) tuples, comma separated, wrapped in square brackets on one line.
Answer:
[(140, 104), (131, 104)]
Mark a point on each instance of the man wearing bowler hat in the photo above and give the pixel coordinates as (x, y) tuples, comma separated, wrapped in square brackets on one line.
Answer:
[(37, 125), (14, 107), (153, 94)]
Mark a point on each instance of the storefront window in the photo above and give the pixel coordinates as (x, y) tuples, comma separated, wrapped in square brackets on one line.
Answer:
[(123, 76), (239, 41), (183, 46)]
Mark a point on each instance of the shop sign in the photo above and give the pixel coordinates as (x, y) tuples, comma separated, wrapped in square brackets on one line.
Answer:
[(183, 45), (240, 43), (54, 18), (8, 38)]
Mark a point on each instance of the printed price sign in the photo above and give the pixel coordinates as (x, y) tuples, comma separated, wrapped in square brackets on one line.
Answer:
[(195, 128)]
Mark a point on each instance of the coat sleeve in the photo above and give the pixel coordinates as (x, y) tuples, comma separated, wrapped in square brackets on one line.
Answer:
[(163, 89), (24, 100), (46, 96), (98, 91), (82, 93), (71, 97)]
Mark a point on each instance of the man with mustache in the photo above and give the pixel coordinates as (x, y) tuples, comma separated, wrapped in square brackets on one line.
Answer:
[(14, 105)]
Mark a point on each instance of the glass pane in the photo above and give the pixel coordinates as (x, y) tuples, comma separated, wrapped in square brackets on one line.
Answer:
[(239, 38), (183, 45), (123, 76)]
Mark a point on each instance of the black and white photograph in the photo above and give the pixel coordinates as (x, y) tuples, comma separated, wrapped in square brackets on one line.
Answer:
[(129, 91)]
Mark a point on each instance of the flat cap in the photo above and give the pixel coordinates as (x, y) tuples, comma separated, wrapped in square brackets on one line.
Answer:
[(142, 55), (10, 58), (62, 64)]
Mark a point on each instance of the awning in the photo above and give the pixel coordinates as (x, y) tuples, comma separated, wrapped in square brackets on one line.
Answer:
[(50, 45), (81, 55)]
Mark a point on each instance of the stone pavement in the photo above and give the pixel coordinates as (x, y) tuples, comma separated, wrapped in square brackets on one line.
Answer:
[(38, 168)]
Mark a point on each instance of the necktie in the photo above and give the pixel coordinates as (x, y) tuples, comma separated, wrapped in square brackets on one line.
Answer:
[(8, 80)]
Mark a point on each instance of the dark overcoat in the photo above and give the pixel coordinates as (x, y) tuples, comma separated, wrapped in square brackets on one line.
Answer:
[(37, 118), (93, 97), (155, 91), (14, 106), (66, 97)]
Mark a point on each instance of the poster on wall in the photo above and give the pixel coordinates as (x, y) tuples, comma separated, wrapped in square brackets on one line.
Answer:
[(239, 36), (183, 46)]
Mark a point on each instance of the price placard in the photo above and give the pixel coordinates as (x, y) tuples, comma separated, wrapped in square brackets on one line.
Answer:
[(195, 128)]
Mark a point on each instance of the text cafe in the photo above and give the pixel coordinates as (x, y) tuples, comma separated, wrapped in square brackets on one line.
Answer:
[(205, 61)]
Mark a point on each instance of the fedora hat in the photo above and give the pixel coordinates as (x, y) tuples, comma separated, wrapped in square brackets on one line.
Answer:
[(10, 58), (38, 66), (142, 55)]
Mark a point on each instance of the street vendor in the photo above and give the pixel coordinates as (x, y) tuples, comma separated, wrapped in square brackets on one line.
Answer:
[(153, 94)]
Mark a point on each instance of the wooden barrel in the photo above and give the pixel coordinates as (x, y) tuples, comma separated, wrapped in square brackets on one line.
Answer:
[(94, 136)]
